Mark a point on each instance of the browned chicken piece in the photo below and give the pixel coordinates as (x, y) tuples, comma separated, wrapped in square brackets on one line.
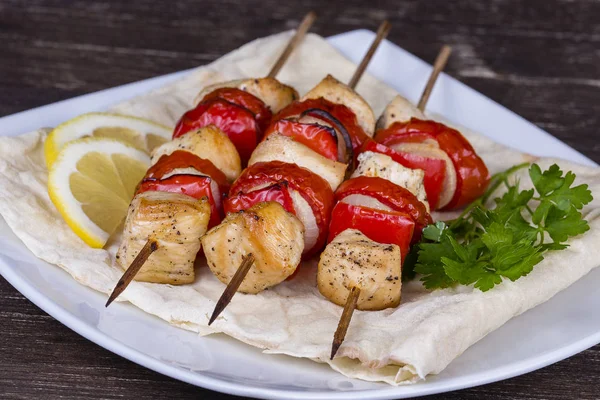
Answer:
[(337, 92), (209, 143), (274, 236), (283, 148), (398, 110), (176, 222), (273, 93), (354, 260)]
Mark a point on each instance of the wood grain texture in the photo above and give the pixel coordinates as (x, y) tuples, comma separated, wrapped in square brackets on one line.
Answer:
[(538, 58)]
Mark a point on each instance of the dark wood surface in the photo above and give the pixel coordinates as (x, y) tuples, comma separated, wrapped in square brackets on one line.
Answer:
[(538, 58)]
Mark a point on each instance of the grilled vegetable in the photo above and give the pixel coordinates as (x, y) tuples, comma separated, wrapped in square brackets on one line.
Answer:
[(472, 176), (182, 172)]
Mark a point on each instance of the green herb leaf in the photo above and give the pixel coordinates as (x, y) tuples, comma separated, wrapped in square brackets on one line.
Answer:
[(483, 246), (560, 225)]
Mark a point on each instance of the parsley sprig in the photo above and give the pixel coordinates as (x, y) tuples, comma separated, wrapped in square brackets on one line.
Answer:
[(484, 245)]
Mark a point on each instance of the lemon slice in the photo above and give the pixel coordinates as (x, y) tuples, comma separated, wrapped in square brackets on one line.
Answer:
[(92, 182), (140, 133)]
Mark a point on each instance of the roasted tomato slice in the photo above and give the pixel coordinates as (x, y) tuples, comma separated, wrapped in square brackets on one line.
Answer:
[(342, 114), (256, 106), (395, 197), (277, 192), (393, 227), (314, 189), (320, 139), (171, 173), (471, 172), (181, 159), (322, 117), (236, 121), (435, 169)]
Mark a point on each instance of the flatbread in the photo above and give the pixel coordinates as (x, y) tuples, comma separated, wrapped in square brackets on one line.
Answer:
[(398, 346)]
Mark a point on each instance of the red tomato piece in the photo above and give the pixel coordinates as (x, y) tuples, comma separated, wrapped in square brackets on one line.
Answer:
[(393, 227), (435, 169), (339, 111), (277, 192), (237, 122), (471, 172), (184, 159), (256, 106), (318, 138), (192, 185), (314, 189), (394, 196)]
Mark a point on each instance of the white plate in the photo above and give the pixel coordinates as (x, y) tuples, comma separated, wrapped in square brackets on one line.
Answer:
[(559, 328)]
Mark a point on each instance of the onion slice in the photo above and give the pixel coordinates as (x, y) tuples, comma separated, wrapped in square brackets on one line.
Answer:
[(345, 154)]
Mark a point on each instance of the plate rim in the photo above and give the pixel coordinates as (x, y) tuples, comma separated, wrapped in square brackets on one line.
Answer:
[(115, 346)]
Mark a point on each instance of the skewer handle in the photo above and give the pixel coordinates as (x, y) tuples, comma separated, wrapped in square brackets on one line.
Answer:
[(233, 286), (382, 32), (150, 247), (438, 66), (300, 32), (342, 328)]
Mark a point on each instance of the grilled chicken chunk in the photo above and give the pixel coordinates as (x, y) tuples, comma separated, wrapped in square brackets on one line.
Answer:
[(274, 236), (209, 143), (177, 222), (380, 165), (337, 92), (398, 110), (352, 259), (273, 93), (282, 148)]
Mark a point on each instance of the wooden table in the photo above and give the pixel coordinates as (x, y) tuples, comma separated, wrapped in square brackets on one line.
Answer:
[(538, 58)]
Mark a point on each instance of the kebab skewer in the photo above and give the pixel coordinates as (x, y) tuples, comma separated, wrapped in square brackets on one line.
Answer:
[(279, 207), (180, 196), (385, 205)]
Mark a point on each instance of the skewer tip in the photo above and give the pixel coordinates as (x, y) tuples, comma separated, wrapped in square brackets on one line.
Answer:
[(382, 32), (232, 287), (310, 16), (342, 328), (438, 66), (214, 316), (304, 26), (334, 348), (150, 247), (110, 300), (384, 28)]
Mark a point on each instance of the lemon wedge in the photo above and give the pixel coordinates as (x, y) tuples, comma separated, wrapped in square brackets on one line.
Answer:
[(92, 182), (140, 133)]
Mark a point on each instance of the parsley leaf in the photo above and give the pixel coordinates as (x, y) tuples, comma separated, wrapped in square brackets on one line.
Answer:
[(561, 225), (483, 246)]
